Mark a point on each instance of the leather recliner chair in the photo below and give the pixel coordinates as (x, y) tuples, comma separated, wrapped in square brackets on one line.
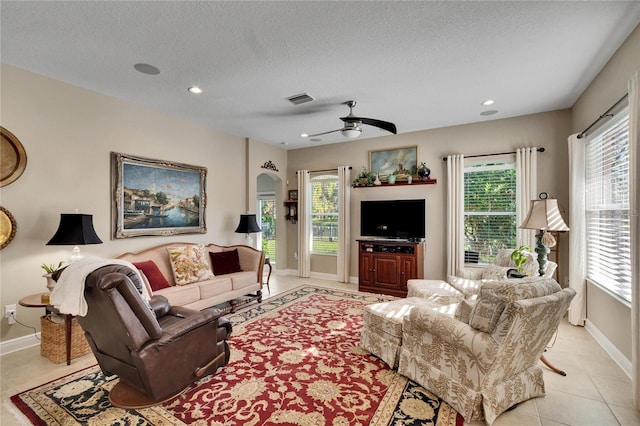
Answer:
[(155, 349)]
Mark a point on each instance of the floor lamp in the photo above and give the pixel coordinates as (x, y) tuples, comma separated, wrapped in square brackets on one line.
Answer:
[(544, 216)]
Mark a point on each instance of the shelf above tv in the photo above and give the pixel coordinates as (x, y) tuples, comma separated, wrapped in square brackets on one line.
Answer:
[(402, 183)]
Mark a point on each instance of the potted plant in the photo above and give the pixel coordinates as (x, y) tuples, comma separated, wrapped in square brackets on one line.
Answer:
[(365, 178), (519, 256), (50, 269)]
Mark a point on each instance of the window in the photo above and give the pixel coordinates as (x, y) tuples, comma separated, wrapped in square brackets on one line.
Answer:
[(267, 220), (324, 214), (489, 209), (607, 207)]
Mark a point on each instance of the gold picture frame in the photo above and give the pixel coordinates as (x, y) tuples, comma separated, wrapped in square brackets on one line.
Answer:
[(402, 162), (155, 197)]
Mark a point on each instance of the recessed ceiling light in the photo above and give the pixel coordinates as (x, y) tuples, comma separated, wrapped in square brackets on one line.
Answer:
[(488, 102), (146, 69), (489, 112), (304, 135), (195, 90), (315, 140)]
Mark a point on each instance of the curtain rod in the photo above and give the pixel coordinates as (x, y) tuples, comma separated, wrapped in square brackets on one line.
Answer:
[(607, 113), (488, 155), (324, 170)]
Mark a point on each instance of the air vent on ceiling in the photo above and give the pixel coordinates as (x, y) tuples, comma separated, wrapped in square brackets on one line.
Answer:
[(302, 98)]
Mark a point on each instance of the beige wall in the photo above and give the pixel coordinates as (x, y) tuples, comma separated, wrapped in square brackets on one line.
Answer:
[(611, 317), (68, 134), (548, 130)]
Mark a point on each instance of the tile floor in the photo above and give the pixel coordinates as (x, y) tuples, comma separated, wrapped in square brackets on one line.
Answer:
[(595, 392)]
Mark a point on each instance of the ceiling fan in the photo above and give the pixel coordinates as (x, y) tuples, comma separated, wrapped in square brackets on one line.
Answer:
[(352, 124)]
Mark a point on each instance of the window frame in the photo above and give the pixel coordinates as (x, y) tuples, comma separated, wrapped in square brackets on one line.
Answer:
[(315, 177), (491, 163), (601, 278)]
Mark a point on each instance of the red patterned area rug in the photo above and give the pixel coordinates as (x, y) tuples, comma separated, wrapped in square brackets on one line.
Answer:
[(295, 360)]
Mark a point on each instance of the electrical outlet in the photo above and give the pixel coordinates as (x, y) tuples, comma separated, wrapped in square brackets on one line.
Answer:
[(10, 313)]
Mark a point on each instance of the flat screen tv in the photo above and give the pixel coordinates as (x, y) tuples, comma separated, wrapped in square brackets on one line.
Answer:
[(393, 219)]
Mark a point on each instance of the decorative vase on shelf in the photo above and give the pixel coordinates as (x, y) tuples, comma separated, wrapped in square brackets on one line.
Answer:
[(377, 181), (424, 172), (391, 180)]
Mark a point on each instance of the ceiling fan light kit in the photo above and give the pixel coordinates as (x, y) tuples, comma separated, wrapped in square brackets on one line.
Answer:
[(351, 133), (352, 125)]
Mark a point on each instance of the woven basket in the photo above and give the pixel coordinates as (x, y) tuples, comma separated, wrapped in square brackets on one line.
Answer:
[(52, 342)]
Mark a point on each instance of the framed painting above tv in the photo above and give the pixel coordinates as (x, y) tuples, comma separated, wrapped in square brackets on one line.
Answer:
[(155, 197), (402, 162)]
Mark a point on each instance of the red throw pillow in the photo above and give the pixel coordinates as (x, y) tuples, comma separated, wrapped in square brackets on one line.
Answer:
[(157, 281), (225, 262)]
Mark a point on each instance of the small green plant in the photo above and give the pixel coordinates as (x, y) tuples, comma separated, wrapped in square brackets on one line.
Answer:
[(519, 256), (50, 269), (365, 178)]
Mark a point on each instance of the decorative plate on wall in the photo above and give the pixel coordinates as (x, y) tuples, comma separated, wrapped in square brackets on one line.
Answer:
[(7, 227), (14, 157)]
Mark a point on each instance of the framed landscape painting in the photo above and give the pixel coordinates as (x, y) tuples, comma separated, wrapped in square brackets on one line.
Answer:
[(402, 162), (155, 197)]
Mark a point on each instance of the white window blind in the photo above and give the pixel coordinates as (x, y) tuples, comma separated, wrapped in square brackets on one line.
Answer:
[(607, 207), (324, 214), (490, 209)]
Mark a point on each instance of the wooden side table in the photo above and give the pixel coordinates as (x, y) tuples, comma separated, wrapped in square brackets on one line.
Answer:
[(35, 301)]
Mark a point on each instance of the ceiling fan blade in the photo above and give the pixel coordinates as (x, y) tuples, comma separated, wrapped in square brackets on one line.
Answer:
[(324, 133), (385, 125)]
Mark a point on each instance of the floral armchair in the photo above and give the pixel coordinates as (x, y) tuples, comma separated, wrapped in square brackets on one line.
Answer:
[(485, 359), (498, 269)]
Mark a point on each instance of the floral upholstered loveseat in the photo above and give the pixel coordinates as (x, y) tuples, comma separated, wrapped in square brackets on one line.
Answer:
[(484, 358)]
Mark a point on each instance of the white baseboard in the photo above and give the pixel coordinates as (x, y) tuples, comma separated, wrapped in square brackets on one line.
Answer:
[(19, 343), (609, 348), (331, 277)]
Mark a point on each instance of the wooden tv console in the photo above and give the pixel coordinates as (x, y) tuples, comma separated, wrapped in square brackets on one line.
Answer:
[(385, 266)]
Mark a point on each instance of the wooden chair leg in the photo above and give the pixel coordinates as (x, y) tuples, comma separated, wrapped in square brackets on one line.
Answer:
[(551, 367)]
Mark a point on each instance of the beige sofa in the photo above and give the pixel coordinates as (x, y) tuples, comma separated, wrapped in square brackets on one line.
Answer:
[(231, 289)]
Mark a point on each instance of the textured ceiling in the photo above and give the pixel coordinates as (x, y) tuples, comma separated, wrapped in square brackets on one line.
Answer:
[(420, 65)]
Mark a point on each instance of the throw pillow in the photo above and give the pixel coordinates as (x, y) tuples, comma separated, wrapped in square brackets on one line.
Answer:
[(225, 262), (494, 272), (190, 264), (157, 281), (486, 312)]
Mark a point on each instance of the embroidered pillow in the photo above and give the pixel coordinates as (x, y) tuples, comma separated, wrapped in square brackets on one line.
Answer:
[(225, 262), (190, 264), (150, 270)]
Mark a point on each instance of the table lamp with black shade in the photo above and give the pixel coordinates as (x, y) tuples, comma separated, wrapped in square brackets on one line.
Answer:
[(75, 229), (544, 216), (248, 225)]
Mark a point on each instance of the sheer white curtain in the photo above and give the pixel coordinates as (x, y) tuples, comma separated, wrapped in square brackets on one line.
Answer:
[(577, 235), (634, 204), (344, 223), (526, 190), (304, 223), (455, 213)]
